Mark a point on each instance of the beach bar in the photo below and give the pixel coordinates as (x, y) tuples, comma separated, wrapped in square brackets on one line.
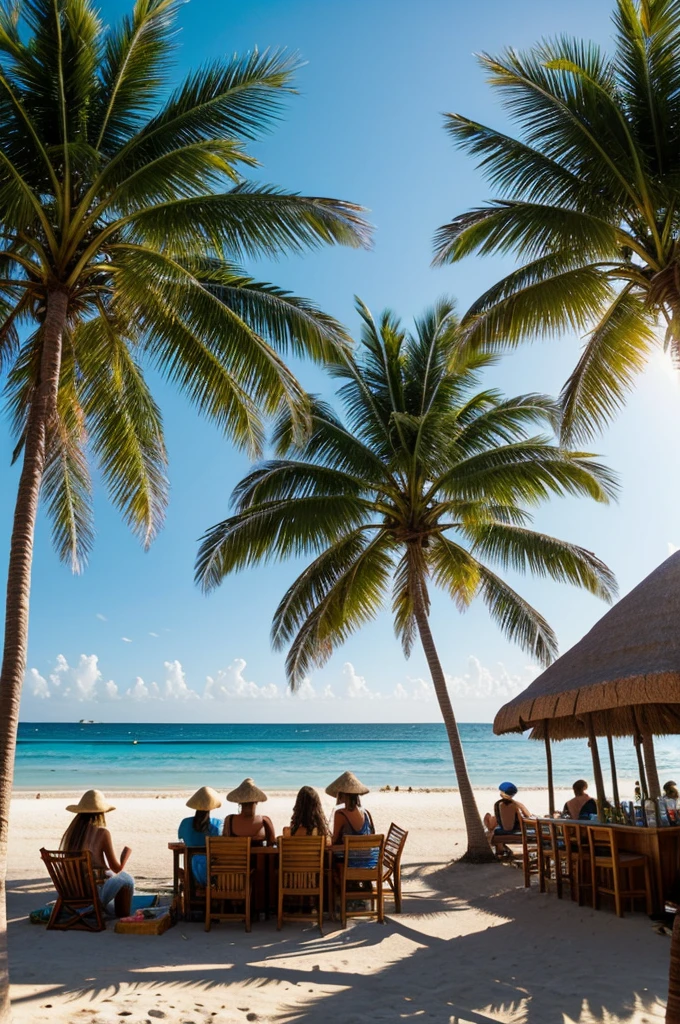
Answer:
[(621, 679)]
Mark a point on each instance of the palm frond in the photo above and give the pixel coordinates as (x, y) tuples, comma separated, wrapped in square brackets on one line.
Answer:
[(276, 529), (515, 547), (615, 352), (124, 426)]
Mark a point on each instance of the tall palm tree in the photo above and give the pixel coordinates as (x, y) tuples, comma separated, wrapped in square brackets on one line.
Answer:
[(123, 218), (587, 201), (426, 479)]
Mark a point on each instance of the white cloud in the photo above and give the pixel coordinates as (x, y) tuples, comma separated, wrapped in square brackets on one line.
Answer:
[(231, 683), (140, 690), (102, 618), (481, 682), (305, 690), (672, 548), (357, 686), (126, 639), (477, 693), (82, 682), (423, 690), (153, 634), (175, 686)]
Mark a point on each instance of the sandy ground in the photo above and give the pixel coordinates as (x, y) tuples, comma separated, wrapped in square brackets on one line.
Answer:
[(471, 946)]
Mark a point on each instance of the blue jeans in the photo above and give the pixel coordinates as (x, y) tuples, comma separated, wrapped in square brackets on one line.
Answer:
[(112, 886)]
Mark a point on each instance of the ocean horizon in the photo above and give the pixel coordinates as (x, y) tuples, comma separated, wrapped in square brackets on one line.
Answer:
[(74, 756)]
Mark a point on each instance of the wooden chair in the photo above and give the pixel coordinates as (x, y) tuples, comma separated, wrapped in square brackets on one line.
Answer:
[(190, 893), (301, 871), (78, 906), (529, 831), (358, 848), (606, 857), (575, 839), (393, 849), (229, 878)]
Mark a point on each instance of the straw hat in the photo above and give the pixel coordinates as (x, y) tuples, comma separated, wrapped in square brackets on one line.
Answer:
[(92, 802), (204, 799), (246, 793), (347, 783)]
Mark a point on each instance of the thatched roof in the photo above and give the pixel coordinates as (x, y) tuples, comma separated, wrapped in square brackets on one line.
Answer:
[(631, 657)]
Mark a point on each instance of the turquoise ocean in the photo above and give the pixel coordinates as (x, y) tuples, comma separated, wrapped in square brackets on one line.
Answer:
[(75, 756)]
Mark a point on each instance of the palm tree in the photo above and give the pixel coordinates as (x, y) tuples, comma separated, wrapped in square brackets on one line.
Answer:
[(427, 478), (587, 203), (124, 216)]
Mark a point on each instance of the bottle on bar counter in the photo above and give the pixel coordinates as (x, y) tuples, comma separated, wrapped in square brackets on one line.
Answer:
[(662, 812), (650, 813)]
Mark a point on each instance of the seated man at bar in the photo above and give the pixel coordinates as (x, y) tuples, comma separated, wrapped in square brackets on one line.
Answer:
[(581, 804), (506, 813)]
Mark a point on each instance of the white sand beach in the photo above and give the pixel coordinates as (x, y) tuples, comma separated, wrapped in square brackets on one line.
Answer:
[(472, 945)]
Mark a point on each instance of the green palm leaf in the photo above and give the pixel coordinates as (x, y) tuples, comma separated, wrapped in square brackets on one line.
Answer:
[(587, 204)]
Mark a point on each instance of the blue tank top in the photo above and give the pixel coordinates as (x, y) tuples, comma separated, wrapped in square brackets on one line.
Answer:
[(360, 858)]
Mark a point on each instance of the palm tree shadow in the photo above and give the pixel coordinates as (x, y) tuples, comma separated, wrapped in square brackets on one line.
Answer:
[(510, 968), (472, 946)]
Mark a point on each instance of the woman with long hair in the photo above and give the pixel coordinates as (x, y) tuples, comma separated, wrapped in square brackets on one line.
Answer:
[(88, 831), (308, 818), (193, 831)]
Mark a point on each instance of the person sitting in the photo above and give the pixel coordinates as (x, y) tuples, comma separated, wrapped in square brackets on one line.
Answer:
[(581, 804), (308, 818), (670, 791), (248, 822), (350, 818), (193, 831), (88, 831), (506, 813)]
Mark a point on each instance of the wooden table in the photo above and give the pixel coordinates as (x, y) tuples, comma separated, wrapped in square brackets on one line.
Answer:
[(660, 845), (264, 897)]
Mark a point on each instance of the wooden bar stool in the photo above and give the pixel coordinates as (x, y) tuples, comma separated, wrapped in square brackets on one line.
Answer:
[(529, 830), (606, 857)]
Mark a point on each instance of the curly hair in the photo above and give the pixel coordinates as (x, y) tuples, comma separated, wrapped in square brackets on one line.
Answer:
[(308, 813)]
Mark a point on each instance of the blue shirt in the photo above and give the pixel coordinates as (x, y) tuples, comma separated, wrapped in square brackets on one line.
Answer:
[(188, 835)]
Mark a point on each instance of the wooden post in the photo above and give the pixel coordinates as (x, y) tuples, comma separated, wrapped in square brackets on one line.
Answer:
[(650, 763), (615, 781), (548, 758), (638, 750), (597, 768)]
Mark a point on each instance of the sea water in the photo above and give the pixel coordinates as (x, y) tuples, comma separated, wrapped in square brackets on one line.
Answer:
[(75, 756)]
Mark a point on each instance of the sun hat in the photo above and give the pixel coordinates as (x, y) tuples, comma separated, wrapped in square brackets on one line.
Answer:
[(92, 802), (509, 788), (246, 793), (347, 783), (204, 799)]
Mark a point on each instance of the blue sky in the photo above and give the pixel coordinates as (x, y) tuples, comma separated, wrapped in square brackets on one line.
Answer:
[(367, 126)]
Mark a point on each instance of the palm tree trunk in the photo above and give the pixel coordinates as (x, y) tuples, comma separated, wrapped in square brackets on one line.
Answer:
[(42, 409), (478, 849)]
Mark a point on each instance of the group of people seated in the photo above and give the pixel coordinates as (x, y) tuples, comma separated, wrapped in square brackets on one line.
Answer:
[(88, 829), (507, 810)]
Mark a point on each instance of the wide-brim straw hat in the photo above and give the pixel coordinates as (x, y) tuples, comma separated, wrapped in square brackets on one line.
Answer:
[(246, 793), (347, 783), (204, 799), (92, 802)]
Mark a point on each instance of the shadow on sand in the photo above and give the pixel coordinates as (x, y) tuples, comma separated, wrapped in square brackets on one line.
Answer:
[(471, 946)]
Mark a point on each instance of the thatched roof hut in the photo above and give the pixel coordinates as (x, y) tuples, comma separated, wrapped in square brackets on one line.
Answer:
[(628, 666)]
